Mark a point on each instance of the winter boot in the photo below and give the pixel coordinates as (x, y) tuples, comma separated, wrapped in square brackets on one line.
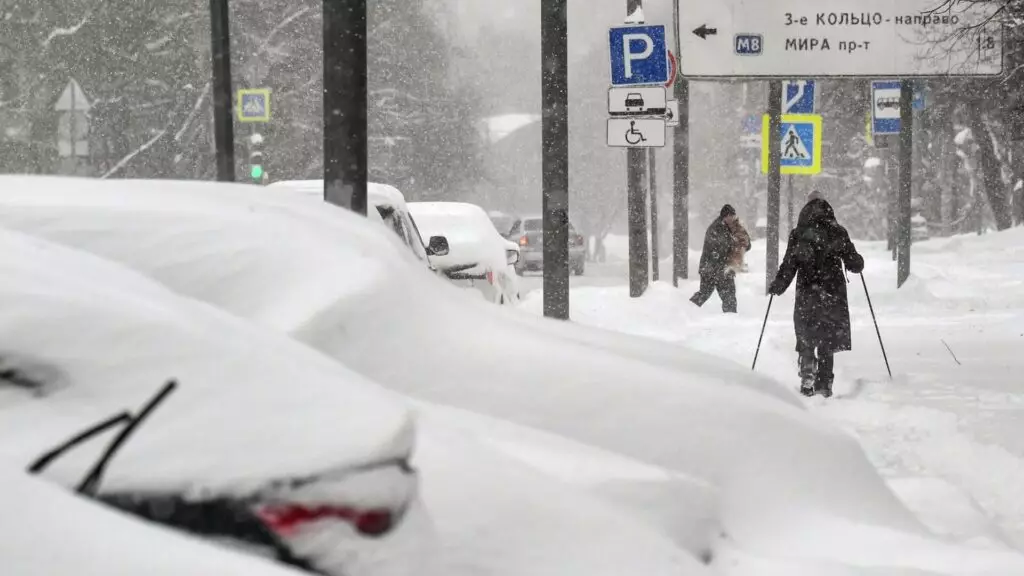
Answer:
[(824, 375), (808, 368)]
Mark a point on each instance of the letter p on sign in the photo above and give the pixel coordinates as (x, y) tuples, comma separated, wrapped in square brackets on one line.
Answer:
[(628, 55)]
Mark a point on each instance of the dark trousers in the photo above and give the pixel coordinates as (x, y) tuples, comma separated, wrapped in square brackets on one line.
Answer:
[(726, 286), (817, 364)]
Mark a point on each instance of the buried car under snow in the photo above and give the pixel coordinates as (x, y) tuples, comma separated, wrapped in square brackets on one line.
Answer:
[(174, 411)]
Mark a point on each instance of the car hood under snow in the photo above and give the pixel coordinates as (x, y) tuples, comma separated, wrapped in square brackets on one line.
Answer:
[(251, 405)]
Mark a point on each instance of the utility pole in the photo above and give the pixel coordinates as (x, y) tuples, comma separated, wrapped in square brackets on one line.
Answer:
[(774, 177), (655, 251), (906, 157), (680, 170), (345, 101), (223, 127), (555, 163), (789, 201), (636, 203)]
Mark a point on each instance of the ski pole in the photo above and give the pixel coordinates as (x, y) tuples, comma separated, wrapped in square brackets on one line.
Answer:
[(763, 326), (875, 320)]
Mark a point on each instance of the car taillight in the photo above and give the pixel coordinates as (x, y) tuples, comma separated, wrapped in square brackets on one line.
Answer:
[(286, 519), (523, 240)]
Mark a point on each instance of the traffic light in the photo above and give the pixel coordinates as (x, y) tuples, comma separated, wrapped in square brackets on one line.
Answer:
[(256, 166)]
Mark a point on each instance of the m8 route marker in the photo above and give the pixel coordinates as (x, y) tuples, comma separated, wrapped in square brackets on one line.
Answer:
[(839, 38)]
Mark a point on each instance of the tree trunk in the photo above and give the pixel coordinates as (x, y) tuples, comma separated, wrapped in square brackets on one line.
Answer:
[(991, 170)]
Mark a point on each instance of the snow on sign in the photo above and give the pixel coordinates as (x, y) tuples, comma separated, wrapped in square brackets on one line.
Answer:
[(837, 38), (800, 144), (253, 105)]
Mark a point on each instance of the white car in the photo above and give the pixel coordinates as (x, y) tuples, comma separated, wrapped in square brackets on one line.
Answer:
[(179, 413), (387, 205), (478, 256)]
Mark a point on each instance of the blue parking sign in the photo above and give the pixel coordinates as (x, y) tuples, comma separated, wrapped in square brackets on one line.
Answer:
[(638, 55)]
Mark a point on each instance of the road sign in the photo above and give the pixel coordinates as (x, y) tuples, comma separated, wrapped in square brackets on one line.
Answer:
[(801, 144), (885, 107), (253, 105), (673, 69), (636, 132), (799, 39), (672, 113), (637, 101), (638, 55), (751, 124), (798, 97)]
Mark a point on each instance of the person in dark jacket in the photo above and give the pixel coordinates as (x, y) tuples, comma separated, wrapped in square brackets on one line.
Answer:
[(818, 249), (714, 270)]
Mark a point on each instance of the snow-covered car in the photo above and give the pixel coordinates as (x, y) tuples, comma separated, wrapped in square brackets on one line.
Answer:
[(189, 417), (528, 232), (387, 206), (757, 460), (47, 531), (479, 257)]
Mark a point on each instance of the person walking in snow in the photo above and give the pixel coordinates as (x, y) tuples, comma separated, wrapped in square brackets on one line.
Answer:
[(715, 273), (818, 249)]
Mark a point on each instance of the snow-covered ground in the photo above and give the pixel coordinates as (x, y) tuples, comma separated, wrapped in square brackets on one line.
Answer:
[(946, 431)]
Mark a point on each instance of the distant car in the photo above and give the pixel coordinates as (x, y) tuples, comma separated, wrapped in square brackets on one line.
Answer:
[(478, 256), (388, 207), (502, 222), (115, 387), (528, 232)]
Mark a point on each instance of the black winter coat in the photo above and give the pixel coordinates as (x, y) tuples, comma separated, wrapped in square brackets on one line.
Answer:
[(717, 247), (818, 249)]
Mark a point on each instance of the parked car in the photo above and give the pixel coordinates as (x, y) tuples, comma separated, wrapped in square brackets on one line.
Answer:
[(388, 206), (479, 257), (528, 232), (176, 412)]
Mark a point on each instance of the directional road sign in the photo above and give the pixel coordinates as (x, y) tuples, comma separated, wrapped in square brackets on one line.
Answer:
[(801, 39), (885, 107), (800, 144), (253, 105), (637, 101), (636, 132), (638, 55), (798, 97)]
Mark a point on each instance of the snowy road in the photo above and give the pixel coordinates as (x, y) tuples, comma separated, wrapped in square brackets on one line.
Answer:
[(945, 432)]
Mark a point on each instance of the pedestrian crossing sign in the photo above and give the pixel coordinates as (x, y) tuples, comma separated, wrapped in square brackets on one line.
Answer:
[(800, 144), (253, 105)]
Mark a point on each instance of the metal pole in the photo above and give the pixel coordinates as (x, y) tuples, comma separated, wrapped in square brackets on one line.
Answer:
[(636, 203), (345, 137), (774, 178), (906, 153), (555, 163), (223, 127), (680, 170), (655, 252)]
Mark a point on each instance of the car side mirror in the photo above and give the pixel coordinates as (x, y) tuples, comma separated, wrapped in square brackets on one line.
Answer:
[(512, 256), (438, 246)]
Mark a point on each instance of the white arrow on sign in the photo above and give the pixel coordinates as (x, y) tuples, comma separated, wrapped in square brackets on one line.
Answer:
[(801, 85)]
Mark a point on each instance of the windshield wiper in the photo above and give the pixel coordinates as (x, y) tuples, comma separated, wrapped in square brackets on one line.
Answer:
[(90, 483)]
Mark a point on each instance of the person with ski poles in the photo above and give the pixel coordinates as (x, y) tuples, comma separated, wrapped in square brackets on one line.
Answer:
[(818, 249)]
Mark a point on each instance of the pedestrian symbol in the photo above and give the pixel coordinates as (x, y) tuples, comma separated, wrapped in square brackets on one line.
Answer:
[(253, 105), (799, 144), (792, 147)]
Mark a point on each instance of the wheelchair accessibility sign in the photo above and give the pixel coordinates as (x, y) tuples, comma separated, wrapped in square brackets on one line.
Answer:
[(636, 132), (253, 105)]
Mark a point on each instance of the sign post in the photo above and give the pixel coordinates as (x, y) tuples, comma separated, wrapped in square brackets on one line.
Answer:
[(785, 39), (223, 128), (555, 163), (680, 168), (640, 68)]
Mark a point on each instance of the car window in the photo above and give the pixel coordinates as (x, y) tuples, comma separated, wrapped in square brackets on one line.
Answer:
[(516, 228), (534, 225)]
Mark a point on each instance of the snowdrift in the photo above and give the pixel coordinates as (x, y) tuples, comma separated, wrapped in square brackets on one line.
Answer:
[(274, 411), (334, 281)]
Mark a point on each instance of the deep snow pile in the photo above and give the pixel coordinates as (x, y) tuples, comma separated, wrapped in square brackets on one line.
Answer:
[(945, 431), (46, 531), (255, 406), (336, 281)]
